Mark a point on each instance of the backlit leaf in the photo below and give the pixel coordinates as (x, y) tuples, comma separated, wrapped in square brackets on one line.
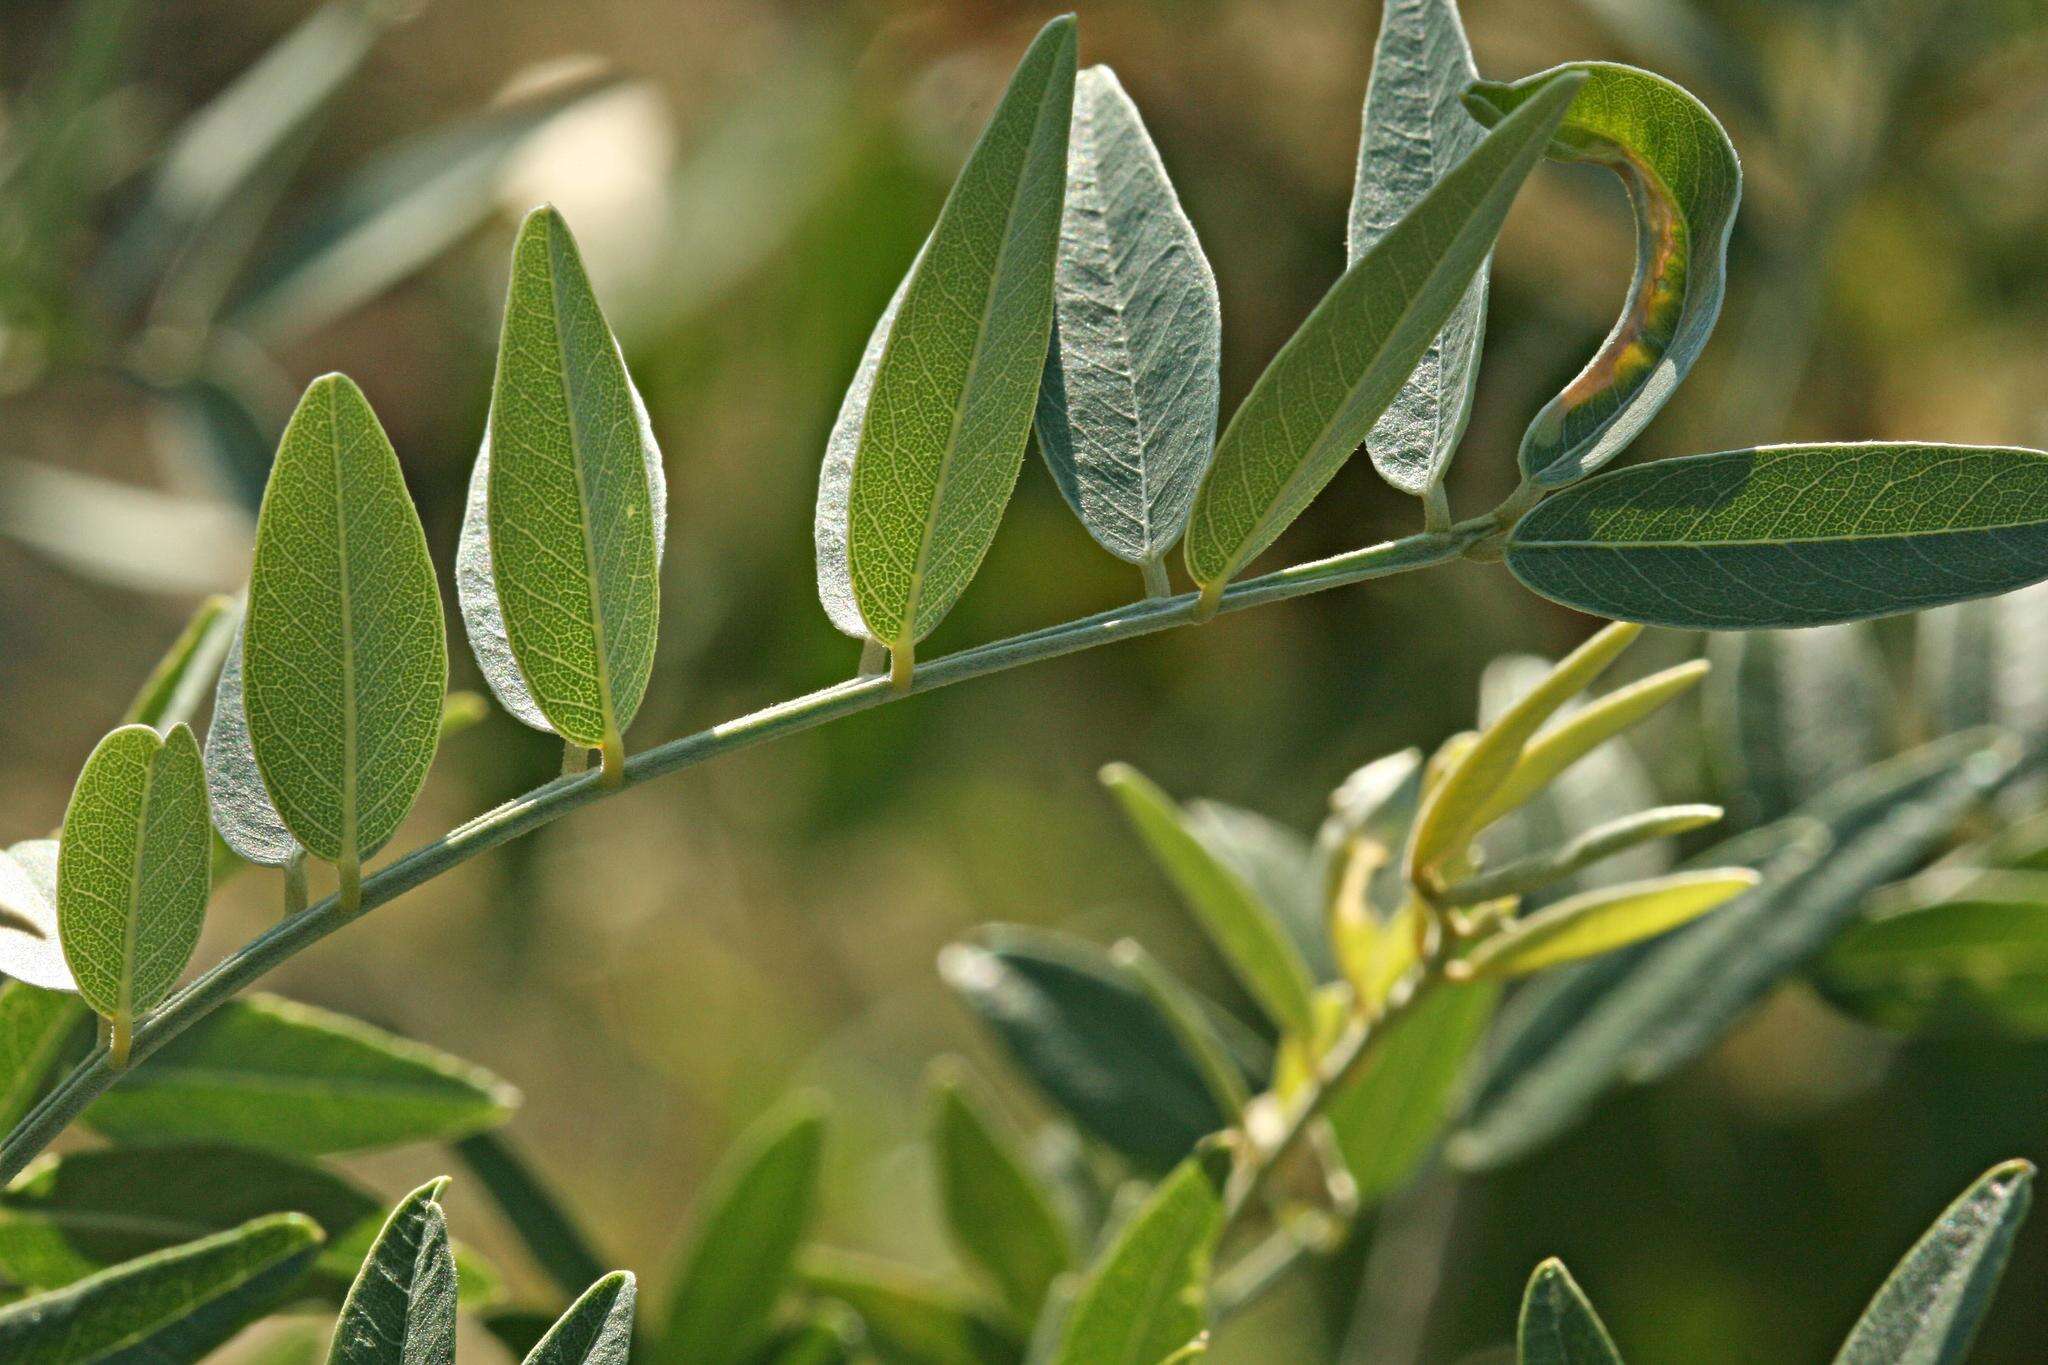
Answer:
[(596, 1330), (956, 383), (1146, 1296), (1965, 967), (1000, 1218), (132, 871), (1929, 1309), (566, 563), (270, 1073), (1684, 183), (344, 655), (401, 1309), (1791, 535), (1559, 1327), (1327, 387), (31, 948), (1596, 922), (1536, 871), (1416, 129), (1127, 409), (176, 1304)]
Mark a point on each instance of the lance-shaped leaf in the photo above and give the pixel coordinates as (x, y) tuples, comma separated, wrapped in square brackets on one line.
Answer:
[(1146, 1297), (176, 1304), (1684, 183), (401, 1309), (243, 812), (1966, 967), (562, 559), (35, 1026), (344, 655), (1931, 1305), (1791, 535), (1559, 1326), (1539, 870), (1595, 922), (31, 948), (1416, 129), (1241, 926), (269, 1073), (954, 387), (999, 1216), (1127, 409), (178, 683), (132, 871), (1329, 384), (744, 1239), (596, 1330), (1791, 712)]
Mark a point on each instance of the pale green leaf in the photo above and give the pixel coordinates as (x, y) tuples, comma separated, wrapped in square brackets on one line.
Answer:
[(1965, 968), (1539, 870), (1127, 409), (597, 1329), (132, 870), (31, 947), (1684, 183), (1244, 929), (909, 1318), (344, 655), (955, 385), (1558, 1326), (1791, 535), (272, 1074), (1146, 1296), (573, 546), (173, 1305), (1791, 712), (1930, 1307), (401, 1308), (1415, 130), (1000, 1218), (1596, 922), (1329, 384), (744, 1236)]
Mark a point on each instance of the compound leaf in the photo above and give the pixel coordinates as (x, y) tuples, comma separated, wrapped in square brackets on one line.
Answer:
[(1559, 1326), (401, 1308), (1145, 1298), (1797, 535), (596, 1330)]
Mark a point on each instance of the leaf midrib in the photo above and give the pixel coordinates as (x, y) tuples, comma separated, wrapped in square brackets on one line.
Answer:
[(124, 992), (348, 635), (1780, 543)]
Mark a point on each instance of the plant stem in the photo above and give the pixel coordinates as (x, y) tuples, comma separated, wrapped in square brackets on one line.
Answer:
[(295, 893), (552, 801), (1156, 582)]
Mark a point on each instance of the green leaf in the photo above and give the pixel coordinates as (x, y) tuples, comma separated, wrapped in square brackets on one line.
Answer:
[(344, 656), (1127, 408), (1146, 1297), (1415, 130), (132, 871), (1538, 871), (175, 687), (270, 1073), (35, 1024), (1090, 1039), (563, 537), (954, 387), (549, 1233), (1327, 387), (1960, 968), (401, 1309), (1684, 183), (910, 1319), (1387, 1120), (1279, 865), (1596, 922), (744, 1238), (1000, 1218), (1245, 931), (1559, 1327), (1791, 712), (597, 1329), (1929, 1309), (31, 948), (173, 1305), (1790, 535), (243, 813), (1195, 1026)]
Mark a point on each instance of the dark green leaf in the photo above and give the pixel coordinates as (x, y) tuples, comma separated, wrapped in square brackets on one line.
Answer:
[(1000, 1218), (830, 1336), (1145, 1298), (597, 1329), (401, 1309), (1791, 535), (1559, 1327), (910, 1319), (546, 1228)]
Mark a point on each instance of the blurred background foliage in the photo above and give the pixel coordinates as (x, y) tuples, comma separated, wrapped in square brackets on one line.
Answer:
[(204, 204)]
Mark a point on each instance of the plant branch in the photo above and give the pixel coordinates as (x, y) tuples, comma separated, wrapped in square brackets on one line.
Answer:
[(552, 801)]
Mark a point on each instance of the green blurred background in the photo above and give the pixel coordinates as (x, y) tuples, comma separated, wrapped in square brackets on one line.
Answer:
[(748, 181)]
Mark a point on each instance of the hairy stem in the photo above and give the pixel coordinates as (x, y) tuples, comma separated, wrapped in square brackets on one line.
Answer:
[(548, 803)]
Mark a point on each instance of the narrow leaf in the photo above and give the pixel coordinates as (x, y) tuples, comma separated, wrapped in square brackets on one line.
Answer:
[(1684, 183), (1929, 1309), (269, 1073), (1280, 866), (597, 1329), (173, 1305), (1596, 845), (1327, 387), (1147, 1296), (1415, 130), (1790, 712), (401, 1309), (1597, 922), (1244, 930), (1127, 409), (569, 562), (744, 1237), (1000, 1218), (909, 1318), (548, 1231), (956, 383), (132, 871), (344, 655), (1790, 535), (175, 687), (1559, 1326), (1959, 968)]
